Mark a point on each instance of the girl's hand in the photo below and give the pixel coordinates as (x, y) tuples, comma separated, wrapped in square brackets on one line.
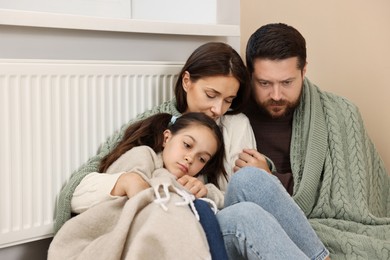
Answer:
[(129, 184), (195, 186), (251, 157)]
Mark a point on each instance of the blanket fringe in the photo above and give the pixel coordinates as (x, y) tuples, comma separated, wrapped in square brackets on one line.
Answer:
[(188, 198)]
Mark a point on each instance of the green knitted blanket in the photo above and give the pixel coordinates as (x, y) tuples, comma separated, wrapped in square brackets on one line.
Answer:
[(63, 207), (340, 180)]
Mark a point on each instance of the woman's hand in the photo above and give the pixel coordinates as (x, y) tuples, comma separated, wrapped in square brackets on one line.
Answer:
[(194, 185), (129, 184), (251, 157)]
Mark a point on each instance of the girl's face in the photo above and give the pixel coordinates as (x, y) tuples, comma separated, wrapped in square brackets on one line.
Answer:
[(211, 95), (188, 151)]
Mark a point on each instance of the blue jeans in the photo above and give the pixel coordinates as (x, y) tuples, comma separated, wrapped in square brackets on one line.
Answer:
[(210, 225), (261, 220)]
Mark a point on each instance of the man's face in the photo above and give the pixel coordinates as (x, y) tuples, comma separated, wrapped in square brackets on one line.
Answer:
[(277, 85)]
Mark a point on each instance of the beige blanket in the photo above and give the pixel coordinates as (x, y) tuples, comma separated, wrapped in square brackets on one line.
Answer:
[(138, 228)]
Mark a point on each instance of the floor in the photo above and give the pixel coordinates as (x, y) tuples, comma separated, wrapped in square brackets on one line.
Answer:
[(36, 250)]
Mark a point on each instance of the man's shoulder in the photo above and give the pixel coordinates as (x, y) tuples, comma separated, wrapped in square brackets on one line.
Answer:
[(336, 99), (327, 96), (334, 104)]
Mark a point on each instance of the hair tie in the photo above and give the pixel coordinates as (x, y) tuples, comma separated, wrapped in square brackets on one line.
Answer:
[(173, 120)]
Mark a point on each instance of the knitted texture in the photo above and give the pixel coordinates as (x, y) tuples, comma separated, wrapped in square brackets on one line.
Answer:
[(340, 180), (63, 207)]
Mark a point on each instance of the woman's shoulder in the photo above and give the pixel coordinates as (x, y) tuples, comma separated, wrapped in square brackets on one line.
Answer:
[(235, 125), (165, 107), (234, 119)]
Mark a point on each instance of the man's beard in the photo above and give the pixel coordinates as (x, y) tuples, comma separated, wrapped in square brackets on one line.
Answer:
[(288, 107)]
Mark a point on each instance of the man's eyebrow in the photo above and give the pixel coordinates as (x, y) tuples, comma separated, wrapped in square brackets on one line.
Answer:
[(289, 79)]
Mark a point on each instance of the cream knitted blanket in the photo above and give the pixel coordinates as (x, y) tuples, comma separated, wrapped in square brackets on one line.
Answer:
[(340, 180)]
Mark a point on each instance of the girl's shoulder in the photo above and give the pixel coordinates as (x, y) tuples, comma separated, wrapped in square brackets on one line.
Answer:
[(136, 157)]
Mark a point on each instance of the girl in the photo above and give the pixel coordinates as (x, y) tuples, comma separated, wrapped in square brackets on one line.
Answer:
[(158, 150), (189, 145)]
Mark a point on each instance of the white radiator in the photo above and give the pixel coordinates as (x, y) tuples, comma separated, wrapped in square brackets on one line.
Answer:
[(54, 115)]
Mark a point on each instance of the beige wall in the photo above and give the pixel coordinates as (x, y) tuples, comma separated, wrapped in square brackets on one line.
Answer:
[(348, 45)]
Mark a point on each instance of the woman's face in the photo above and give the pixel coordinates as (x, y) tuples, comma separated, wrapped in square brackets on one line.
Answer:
[(212, 95)]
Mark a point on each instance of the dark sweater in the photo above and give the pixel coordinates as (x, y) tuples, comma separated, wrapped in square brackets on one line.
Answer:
[(273, 138)]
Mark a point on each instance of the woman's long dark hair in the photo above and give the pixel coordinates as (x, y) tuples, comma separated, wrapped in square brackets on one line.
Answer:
[(150, 132), (215, 59)]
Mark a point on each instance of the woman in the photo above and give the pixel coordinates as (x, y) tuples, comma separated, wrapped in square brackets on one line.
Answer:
[(214, 80)]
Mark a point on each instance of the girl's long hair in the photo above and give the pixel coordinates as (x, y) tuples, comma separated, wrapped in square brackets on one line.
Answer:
[(150, 132)]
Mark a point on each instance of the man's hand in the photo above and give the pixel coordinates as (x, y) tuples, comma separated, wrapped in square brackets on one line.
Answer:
[(251, 157), (195, 186)]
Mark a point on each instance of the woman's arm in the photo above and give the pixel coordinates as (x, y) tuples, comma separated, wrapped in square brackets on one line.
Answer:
[(240, 144), (238, 135)]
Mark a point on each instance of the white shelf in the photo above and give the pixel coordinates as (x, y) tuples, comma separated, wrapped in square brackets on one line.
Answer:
[(79, 22)]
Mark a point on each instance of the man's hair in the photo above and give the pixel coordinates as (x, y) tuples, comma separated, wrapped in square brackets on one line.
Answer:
[(276, 41)]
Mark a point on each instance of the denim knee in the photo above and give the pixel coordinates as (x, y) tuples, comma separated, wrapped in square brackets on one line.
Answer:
[(252, 175), (249, 181), (250, 232), (241, 214)]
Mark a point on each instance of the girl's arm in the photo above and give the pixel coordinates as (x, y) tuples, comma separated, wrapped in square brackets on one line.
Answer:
[(93, 189), (125, 177), (129, 184), (193, 185)]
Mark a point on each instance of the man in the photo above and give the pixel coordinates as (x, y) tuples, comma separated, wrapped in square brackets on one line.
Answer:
[(317, 141)]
